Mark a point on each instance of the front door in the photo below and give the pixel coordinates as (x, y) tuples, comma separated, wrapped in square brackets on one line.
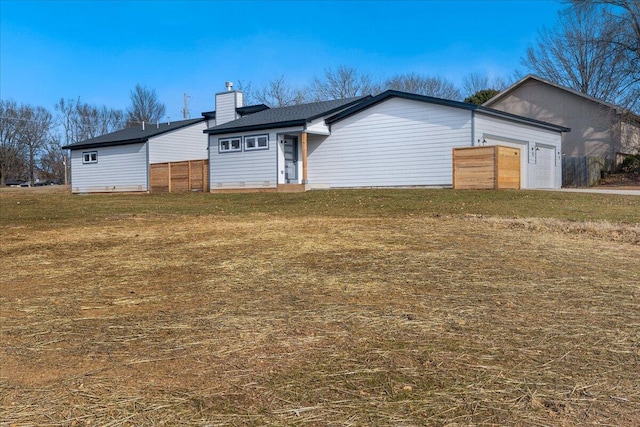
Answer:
[(291, 160)]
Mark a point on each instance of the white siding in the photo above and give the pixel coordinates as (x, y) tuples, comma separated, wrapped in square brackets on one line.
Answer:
[(318, 127), (119, 168), (526, 137), (189, 143), (243, 169), (398, 142)]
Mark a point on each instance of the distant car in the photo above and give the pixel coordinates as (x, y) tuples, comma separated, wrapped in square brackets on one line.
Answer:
[(48, 182)]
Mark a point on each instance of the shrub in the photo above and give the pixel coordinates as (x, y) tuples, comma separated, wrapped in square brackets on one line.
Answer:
[(631, 164)]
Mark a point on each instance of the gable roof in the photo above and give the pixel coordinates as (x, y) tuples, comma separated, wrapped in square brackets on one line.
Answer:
[(532, 77), (439, 101), (132, 135), (284, 116)]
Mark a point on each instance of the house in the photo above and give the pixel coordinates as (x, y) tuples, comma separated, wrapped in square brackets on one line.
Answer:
[(394, 139), (152, 157), (122, 161), (598, 128)]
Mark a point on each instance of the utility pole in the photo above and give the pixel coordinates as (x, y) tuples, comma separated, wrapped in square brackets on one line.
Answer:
[(185, 111)]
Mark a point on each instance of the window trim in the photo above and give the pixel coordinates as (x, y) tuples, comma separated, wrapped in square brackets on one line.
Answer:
[(230, 149), (256, 137), (90, 154)]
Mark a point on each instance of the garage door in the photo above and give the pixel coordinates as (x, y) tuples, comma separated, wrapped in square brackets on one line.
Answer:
[(545, 167)]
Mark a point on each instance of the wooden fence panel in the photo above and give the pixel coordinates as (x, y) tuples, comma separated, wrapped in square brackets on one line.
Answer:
[(159, 178), (473, 168), (508, 168), (486, 168), (180, 177), (582, 171)]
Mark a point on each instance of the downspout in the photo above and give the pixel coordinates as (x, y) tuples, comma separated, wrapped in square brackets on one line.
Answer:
[(473, 127), (148, 168), (209, 160)]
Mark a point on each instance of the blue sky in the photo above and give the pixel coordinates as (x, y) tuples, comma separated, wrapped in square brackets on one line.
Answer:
[(100, 50)]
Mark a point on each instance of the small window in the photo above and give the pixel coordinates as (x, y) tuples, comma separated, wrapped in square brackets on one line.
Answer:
[(90, 157), (256, 142), (229, 144)]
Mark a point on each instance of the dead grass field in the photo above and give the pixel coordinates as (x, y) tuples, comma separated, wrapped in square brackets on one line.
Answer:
[(352, 308)]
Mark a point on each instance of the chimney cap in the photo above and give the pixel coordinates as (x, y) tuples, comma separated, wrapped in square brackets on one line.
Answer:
[(228, 85)]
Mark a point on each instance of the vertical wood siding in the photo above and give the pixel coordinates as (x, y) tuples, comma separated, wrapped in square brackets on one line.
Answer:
[(119, 168), (398, 142), (188, 143)]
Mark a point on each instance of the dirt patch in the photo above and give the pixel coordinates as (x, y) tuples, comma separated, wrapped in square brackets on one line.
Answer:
[(629, 181)]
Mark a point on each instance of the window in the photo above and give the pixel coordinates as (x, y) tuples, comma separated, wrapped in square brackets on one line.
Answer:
[(256, 142), (90, 157), (229, 144)]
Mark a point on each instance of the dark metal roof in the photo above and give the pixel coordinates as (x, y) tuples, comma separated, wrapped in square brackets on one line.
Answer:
[(285, 116), (440, 101), (132, 135)]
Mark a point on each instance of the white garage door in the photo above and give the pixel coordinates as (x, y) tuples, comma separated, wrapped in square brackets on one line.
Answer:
[(545, 167)]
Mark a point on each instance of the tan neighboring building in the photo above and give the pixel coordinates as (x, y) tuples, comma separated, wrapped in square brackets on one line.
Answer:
[(598, 128)]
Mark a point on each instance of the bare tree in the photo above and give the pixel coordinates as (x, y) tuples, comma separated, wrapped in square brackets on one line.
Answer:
[(575, 54), (475, 82), (11, 149), (438, 87), (278, 93), (24, 131), (343, 82), (623, 16), (82, 121), (52, 161), (35, 135), (145, 106)]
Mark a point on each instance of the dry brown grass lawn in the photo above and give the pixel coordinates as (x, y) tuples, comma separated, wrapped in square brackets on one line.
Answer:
[(164, 318)]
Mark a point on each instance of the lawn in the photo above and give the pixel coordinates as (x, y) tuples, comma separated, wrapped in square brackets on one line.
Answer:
[(354, 307)]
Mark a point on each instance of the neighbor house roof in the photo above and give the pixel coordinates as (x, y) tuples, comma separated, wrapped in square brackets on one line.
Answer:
[(532, 77), (367, 103), (284, 116), (132, 135)]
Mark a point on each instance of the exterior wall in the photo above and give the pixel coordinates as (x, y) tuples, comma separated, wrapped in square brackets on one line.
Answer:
[(184, 144), (397, 142), (630, 138), (247, 169), (226, 104), (119, 168), (593, 126), (529, 139)]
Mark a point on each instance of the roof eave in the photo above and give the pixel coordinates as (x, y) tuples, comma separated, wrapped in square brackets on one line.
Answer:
[(264, 126), (393, 93), (81, 146)]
